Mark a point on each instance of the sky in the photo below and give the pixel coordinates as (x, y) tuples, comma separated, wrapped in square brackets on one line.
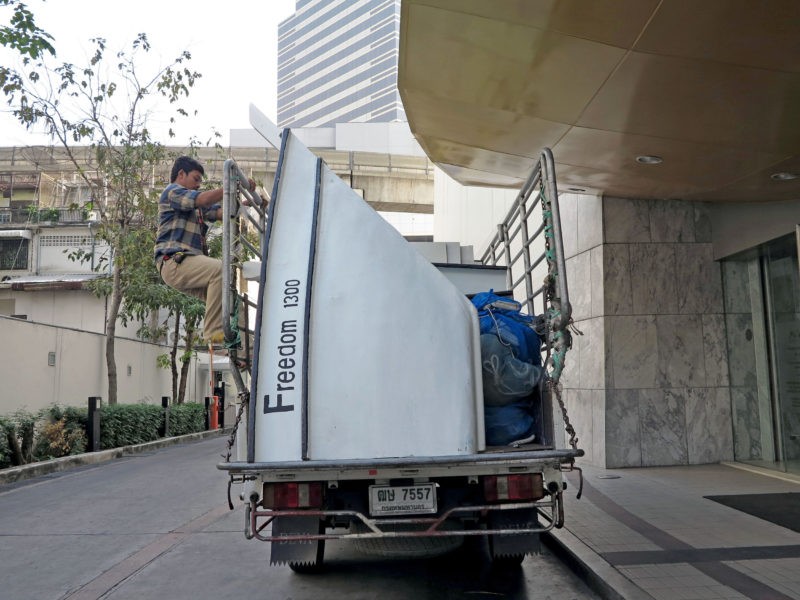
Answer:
[(233, 45)]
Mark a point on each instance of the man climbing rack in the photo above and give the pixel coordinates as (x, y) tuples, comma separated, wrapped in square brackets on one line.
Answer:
[(181, 252)]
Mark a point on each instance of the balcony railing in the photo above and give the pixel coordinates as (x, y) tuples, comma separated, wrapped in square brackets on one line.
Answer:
[(34, 214)]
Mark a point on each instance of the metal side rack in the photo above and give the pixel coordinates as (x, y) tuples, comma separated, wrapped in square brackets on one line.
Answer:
[(529, 244), (244, 219)]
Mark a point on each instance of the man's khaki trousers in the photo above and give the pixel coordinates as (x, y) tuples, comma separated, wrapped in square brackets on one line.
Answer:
[(199, 276)]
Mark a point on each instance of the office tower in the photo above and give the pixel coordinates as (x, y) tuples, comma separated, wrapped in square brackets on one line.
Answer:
[(337, 63)]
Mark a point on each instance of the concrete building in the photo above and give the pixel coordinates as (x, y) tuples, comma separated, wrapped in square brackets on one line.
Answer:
[(337, 62), (678, 164)]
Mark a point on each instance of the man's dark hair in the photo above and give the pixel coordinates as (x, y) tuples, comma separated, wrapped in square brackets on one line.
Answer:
[(186, 164)]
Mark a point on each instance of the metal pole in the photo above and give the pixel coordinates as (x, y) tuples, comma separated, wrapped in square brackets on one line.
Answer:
[(93, 424), (165, 426)]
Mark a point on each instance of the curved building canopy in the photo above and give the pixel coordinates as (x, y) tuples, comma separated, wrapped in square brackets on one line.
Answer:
[(711, 88)]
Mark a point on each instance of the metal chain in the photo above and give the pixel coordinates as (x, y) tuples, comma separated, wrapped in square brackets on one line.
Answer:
[(555, 388), (562, 338), (243, 401)]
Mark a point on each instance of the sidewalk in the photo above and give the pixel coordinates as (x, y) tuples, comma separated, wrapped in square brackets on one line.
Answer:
[(45, 467), (650, 533)]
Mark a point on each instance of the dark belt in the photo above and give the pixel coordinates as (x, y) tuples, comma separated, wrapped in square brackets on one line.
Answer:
[(176, 256)]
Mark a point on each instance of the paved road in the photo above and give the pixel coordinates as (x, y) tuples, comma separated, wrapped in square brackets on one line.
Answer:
[(156, 526)]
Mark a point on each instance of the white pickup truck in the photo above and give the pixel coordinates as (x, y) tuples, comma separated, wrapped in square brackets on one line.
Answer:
[(363, 416)]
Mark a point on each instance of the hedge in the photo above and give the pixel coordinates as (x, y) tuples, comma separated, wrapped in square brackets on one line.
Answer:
[(186, 418), (61, 431)]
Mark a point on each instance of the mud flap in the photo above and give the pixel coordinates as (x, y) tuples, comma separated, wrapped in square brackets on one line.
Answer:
[(511, 545), (295, 553)]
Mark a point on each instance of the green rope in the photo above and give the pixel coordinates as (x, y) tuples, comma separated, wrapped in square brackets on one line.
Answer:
[(236, 342)]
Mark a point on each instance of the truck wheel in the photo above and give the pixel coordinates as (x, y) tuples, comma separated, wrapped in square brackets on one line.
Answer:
[(307, 568)]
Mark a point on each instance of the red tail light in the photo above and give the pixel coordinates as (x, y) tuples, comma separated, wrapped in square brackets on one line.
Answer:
[(292, 495), (500, 488)]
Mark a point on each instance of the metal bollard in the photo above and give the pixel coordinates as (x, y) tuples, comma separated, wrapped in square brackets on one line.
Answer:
[(164, 429), (93, 424), (219, 392)]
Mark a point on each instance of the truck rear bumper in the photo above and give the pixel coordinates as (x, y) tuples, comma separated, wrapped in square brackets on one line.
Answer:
[(551, 511)]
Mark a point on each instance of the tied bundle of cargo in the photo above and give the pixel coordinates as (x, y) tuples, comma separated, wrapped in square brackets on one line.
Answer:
[(511, 368)]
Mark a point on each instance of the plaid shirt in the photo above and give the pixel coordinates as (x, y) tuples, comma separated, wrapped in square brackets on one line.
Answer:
[(181, 224)]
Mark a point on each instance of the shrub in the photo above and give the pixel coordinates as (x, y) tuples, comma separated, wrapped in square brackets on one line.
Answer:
[(18, 433), (128, 424), (62, 433), (187, 418), (57, 439), (5, 451)]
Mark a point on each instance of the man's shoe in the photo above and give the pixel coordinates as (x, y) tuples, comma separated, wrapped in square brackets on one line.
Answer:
[(215, 338)]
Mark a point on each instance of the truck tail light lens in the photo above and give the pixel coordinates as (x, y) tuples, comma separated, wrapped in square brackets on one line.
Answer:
[(292, 495), (503, 488)]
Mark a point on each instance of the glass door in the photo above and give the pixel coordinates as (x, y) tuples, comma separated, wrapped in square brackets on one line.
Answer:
[(783, 293), (762, 314)]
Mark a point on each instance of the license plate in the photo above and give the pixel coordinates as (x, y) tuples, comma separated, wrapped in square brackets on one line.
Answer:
[(387, 500)]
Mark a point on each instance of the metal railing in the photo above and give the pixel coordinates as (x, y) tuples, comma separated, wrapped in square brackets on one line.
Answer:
[(236, 248), (529, 243), (43, 214), (527, 248)]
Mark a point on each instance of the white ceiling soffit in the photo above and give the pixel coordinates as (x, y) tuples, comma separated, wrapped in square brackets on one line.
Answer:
[(712, 88)]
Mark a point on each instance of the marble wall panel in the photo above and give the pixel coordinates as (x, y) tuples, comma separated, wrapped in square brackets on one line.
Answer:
[(590, 222), (570, 375), (736, 276), (597, 281), (617, 280), (747, 424), (579, 281), (591, 348), (568, 210), (680, 351), (625, 221), (702, 222), (580, 414), (623, 437), (709, 427), (698, 279), (634, 346), (653, 278), (663, 427), (598, 400), (715, 353), (671, 221), (741, 350)]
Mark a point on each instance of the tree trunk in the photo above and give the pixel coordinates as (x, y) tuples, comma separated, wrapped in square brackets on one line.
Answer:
[(111, 332), (173, 357), (13, 444), (185, 363)]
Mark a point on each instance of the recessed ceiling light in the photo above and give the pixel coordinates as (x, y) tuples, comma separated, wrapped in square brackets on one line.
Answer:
[(783, 176), (575, 189), (649, 159)]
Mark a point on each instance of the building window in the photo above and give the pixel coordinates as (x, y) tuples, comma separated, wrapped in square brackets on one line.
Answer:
[(14, 254)]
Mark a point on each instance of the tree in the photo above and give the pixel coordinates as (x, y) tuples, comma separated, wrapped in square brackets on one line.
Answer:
[(22, 34), (105, 106)]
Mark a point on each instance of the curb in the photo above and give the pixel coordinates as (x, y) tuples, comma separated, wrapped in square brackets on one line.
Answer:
[(595, 572), (14, 474)]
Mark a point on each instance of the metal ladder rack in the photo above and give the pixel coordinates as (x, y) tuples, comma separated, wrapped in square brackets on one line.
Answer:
[(235, 249), (516, 244), (538, 251)]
